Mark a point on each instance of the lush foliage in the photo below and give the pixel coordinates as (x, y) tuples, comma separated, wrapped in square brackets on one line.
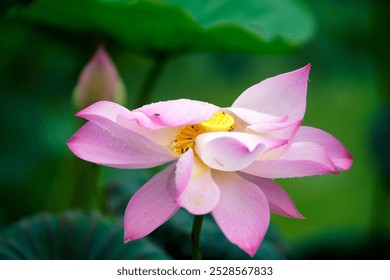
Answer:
[(45, 44)]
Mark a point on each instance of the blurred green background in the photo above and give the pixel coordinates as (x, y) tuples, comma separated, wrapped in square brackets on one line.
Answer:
[(211, 55)]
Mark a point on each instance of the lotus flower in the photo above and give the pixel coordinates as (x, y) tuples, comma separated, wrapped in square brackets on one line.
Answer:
[(223, 159), (99, 80)]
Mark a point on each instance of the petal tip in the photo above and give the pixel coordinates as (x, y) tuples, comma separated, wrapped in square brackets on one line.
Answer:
[(70, 143), (346, 163), (251, 250), (305, 70), (85, 111), (299, 216), (128, 237), (80, 113), (251, 253)]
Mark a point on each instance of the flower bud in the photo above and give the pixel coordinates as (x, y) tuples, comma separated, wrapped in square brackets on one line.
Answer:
[(99, 80)]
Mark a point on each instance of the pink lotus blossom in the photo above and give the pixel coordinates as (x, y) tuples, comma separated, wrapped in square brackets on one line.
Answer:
[(99, 80), (223, 159)]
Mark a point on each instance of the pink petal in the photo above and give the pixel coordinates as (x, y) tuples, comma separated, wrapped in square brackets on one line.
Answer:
[(112, 145), (106, 114), (278, 199), (184, 168), (231, 151), (151, 206), (302, 159), (199, 194), (242, 212), (103, 109), (340, 156), (282, 95), (163, 136), (254, 117), (141, 119), (171, 113), (284, 130)]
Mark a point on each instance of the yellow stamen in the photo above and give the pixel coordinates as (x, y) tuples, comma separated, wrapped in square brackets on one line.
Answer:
[(219, 122), (185, 137)]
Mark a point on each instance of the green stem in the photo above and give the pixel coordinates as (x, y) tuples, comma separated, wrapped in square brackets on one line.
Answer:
[(151, 79), (195, 237), (87, 192)]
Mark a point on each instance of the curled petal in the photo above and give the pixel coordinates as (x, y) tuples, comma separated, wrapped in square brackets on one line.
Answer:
[(159, 134), (163, 136), (282, 95), (302, 159), (231, 151), (171, 113), (140, 118), (196, 190), (278, 199), (340, 156), (115, 146), (151, 206), (108, 114), (242, 212)]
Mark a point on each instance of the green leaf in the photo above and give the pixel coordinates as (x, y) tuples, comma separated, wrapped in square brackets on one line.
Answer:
[(73, 235), (151, 26), (251, 23)]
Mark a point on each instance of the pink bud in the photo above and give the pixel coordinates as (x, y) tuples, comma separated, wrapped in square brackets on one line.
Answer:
[(99, 80)]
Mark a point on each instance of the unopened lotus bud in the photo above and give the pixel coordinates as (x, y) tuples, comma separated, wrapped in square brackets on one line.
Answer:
[(99, 80)]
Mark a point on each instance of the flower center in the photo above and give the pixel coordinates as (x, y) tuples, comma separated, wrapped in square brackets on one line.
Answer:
[(185, 137)]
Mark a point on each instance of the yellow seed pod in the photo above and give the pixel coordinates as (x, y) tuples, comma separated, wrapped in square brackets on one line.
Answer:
[(219, 122)]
